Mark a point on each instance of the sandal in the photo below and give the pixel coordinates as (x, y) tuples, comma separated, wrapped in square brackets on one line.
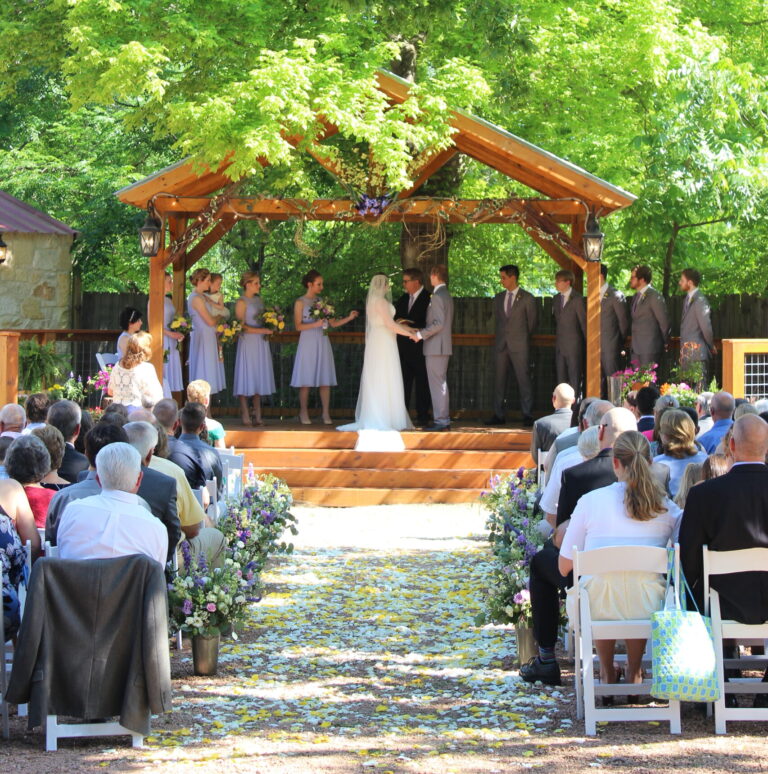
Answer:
[(246, 420)]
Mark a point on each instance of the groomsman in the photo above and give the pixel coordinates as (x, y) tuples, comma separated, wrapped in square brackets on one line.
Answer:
[(437, 345), (697, 341), (570, 331), (516, 316), (411, 307), (614, 328), (650, 325)]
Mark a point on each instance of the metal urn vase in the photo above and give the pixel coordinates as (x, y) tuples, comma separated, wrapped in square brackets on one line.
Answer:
[(526, 645), (205, 654)]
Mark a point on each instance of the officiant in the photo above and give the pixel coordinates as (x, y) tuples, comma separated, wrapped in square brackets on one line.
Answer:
[(411, 309)]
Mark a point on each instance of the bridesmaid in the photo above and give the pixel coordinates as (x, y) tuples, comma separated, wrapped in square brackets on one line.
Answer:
[(314, 365), (172, 379), (253, 366), (204, 360)]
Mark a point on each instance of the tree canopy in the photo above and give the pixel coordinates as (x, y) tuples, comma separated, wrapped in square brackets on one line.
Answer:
[(667, 100)]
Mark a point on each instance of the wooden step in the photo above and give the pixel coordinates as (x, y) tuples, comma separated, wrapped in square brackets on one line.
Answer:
[(345, 497), (407, 460), (382, 479)]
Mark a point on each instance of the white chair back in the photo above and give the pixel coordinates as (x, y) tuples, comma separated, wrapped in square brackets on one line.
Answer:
[(105, 359), (213, 491), (232, 470)]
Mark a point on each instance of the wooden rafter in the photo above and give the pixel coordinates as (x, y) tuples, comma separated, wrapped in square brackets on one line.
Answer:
[(222, 227), (435, 162), (541, 221)]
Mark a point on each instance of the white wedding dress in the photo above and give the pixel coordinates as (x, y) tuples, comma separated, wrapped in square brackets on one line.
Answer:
[(381, 411)]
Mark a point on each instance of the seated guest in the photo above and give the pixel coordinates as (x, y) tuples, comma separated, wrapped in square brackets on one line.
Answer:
[(166, 413), (633, 511), (115, 414), (568, 438), (715, 465), (677, 435), (630, 403), (28, 462), (13, 559), (133, 381), (14, 503), (115, 522), (36, 408), (199, 391), (745, 407), (102, 435), (65, 416), (691, 477), (663, 403), (156, 488), (721, 410), (130, 321), (12, 420), (702, 409), (729, 513), (646, 400), (54, 442), (199, 461), (86, 425), (546, 429), (694, 418), (4, 444)]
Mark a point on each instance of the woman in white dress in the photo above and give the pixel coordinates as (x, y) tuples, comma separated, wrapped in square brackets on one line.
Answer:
[(133, 381), (381, 402)]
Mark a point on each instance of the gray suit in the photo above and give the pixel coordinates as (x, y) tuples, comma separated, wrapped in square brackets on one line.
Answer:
[(437, 352), (650, 326), (614, 329), (546, 429), (570, 338), (512, 347), (696, 338)]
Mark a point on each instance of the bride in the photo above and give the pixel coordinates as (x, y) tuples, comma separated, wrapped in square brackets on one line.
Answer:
[(380, 402)]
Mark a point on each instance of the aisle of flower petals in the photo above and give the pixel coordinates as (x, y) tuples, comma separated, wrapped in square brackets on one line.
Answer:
[(373, 652)]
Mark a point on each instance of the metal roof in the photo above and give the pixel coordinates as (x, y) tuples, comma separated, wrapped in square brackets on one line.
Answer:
[(21, 218)]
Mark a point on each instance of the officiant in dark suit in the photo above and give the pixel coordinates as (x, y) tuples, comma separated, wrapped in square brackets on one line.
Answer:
[(411, 308)]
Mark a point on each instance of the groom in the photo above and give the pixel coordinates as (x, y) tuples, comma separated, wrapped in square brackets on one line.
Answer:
[(411, 307), (437, 345)]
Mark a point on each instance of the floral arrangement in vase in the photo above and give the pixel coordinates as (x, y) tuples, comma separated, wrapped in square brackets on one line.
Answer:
[(684, 393), (515, 536), (72, 389), (228, 332), (273, 318), (181, 324), (632, 378)]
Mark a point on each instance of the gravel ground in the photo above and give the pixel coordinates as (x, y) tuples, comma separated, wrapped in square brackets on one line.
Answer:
[(363, 657)]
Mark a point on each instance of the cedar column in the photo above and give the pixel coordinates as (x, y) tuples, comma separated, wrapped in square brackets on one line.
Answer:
[(156, 310), (592, 386), (9, 366)]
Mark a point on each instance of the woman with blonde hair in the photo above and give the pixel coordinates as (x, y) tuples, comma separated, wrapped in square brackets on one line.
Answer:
[(678, 437), (691, 477), (204, 360), (715, 465), (133, 382), (633, 511)]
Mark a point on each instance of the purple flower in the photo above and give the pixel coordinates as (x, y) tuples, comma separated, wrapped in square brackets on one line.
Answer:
[(211, 607), (186, 607)]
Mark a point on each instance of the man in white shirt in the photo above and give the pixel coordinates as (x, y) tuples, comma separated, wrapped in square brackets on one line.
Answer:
[(12, 420), (115, 522)]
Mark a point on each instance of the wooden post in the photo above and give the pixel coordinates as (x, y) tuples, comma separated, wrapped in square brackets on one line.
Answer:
[(156, 306), (9, 366), (593, 329)]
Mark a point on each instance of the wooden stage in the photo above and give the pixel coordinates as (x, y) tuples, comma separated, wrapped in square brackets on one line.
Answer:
[(321, 466)]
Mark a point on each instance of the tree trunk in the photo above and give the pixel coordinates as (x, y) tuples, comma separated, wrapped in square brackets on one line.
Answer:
[(667, 272)]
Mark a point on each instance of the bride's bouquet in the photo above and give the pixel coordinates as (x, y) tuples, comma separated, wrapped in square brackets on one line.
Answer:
[(322, 310), (273, 318)]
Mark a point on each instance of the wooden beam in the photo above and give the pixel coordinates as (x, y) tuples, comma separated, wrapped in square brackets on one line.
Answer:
[(155, 307), (435, 162), (9, 366), (541, 221)]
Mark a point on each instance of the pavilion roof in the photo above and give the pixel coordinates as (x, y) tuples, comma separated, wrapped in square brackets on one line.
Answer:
[(489, 144), (19, 217)]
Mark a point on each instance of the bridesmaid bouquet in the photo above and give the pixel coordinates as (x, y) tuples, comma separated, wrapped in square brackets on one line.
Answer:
[(228, 332), (322, 310), (181, 324), (273, 318)]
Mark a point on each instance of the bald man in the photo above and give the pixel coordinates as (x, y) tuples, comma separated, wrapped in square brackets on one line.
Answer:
[(546, 429), (730, 513)]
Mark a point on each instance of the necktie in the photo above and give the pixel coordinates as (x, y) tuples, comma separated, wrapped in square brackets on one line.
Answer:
[(638, 296), (562, 301), (687, 304), (507, 303), (410, 302)]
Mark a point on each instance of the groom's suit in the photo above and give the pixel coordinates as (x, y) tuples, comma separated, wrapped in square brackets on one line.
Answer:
[(437, 351), (412, 361)]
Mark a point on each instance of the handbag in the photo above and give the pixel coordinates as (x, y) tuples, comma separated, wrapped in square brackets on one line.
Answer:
[(682, 651)]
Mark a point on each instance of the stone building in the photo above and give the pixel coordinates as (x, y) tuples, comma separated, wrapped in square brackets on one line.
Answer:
[(36, 277)]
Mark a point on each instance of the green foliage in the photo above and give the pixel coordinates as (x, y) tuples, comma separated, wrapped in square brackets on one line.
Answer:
[(39, 365)]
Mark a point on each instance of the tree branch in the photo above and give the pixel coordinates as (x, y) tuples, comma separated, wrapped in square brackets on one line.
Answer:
[(703, 223)]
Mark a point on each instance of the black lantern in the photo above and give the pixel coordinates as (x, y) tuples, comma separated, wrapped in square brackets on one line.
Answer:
[(3, 250), (592, 240), (149, 236)]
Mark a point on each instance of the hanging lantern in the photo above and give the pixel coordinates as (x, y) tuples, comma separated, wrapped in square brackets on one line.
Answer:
[(149, 236), (592, 240)]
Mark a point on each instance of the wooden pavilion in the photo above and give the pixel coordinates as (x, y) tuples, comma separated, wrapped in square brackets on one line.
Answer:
[(195, 217)]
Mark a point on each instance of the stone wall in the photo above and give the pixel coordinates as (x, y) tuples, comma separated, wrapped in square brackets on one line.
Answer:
[(35, 282)]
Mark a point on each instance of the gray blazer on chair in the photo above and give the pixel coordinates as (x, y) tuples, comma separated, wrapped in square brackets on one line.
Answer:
[(437, 334), (696, 328), (650, 324)]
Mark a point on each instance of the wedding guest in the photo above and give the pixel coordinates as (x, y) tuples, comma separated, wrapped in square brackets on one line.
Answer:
[(646, 401), (115, 522), (691, 477), (166, 412), (4, 444), (702, 409), (715, 465), (614, 328), (546, 429), (14, 503), (133, 381), (630, 403), (694, 417), (570, 313), (12, 420), (199, 391), (66, 415), (36, 408), (199, 461), (411, 309), (86, 425), (12, 560), (254, 375), (172, 374), (314, 366), (744, 408), (697, 341), (634, 510), (568, 438), (130, 321), (438, 346), (678, 435), (650, 324), (54, 442), (28, 462), (204, 361), (517, 316), (662, 405), (721, 410)]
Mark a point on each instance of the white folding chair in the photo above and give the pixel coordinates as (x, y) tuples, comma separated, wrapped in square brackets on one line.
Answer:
[(587, 631), (105, 359), (725, 563), (213, 492), (540, 467), (179, 640), (232, 470)]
